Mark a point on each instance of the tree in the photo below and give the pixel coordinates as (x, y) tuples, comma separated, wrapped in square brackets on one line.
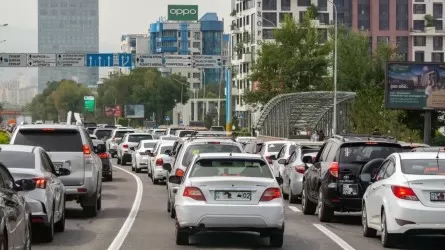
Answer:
[(296, 61), (69, 97)]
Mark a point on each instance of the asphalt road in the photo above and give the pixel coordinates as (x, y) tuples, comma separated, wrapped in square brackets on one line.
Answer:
[(147, 225)]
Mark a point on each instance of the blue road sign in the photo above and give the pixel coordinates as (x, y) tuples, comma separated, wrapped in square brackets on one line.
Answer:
[(100, 60), (125, 60)]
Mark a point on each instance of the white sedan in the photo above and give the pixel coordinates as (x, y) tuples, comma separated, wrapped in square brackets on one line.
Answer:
[(407, 195), (158, 157), (139, 155), (228, 191)]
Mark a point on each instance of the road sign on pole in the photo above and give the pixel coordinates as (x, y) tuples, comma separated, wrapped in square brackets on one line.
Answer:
[(150, 61), (71, 60), (89, 103), (99, 60), (207, 61), (125, 60), (13, 60), (41, 60), (178, 61)]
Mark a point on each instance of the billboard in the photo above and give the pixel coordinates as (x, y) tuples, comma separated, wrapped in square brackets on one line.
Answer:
[(134, 111), (113, 111), (89, 103), (183, 12), (415, 86)]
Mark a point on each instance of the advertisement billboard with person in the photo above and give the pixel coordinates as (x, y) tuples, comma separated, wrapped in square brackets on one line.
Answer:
[(415, 86), (113, 111)]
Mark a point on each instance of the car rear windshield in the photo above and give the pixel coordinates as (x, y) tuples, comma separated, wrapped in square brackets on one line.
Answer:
[(358, 153), (231, 167), (207, 148), (121, 133), (423, 166), (150, 144), (138, 138), (165, 148), (308, 150), (97, 142), (52, 140), (159, 132), (91, 130), (173, 130), (274, 147), (103, 133), (14, 159), (185, 133)]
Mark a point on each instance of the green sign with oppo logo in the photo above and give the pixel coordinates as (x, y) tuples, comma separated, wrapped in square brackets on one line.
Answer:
[(183, 12)]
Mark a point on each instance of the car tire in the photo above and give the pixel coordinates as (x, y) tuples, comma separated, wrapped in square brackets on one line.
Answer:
[(118, 160), (293, 199), (99, 202), (91, 211), (28, 240), (182, 236), (4, 241), (47, 231), (172, 211), (109, 177), (276, 238), (60, 225), (285, 196), (168, 206), (367, 232), (307, 206), (388, 240), (138, 170), (325, 213)]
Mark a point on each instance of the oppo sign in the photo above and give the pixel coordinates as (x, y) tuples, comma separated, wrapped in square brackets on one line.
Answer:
[(183, 12)]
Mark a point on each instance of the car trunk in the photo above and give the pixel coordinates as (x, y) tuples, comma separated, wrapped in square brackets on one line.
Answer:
[(429, 189), (74, 161), (23, 173), (232, 190)]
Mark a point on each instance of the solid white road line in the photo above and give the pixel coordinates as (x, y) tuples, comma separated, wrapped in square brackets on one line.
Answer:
[(295, 209), (126, 227), (339, 241)]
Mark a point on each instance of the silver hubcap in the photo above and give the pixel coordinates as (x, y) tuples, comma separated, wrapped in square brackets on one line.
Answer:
[(320, 202)]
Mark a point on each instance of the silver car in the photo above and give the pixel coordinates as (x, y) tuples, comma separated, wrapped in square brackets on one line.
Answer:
[(47, 201)]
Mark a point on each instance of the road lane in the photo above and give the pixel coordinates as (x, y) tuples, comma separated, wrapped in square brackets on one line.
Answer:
[(96, 233)]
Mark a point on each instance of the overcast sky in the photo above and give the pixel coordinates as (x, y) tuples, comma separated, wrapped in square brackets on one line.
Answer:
[(116, 17)]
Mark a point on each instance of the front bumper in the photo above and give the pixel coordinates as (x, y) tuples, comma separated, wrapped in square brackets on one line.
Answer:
[(230, 216)]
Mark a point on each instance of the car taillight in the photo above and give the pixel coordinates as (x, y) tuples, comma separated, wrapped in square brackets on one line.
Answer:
[(179, 172), (194, 193), (270, 194), (300, 169), (103, 155), (86, 149), (333, 169), (404, 193), (159, 162), (125, 146), (268, 159), (40, 182)]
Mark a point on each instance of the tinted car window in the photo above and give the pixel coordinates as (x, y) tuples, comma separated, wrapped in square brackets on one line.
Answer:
[(275, 147), (164, 148), (308, 150), (159, 132), (14, 159), (52, 140), (231, 167), (103, 133), (120, 134), (149, 144), (185, 133), (423, 167), (207, 148), (90, 130), (138, 138), (364, 153)]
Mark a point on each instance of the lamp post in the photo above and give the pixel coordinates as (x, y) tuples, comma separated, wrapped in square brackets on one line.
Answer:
[(182, 91), (334, 118), (203, 94)]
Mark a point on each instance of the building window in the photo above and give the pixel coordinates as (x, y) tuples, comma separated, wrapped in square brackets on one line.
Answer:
[(437, 10), (301, 16), (322, 5), (420, 41), (402, 15), (383, 39), (270, 19), (285, 5), (197, 75), (196, 45), (269, 4), (419, 56), (437, 43), (384, 15), (304, 3), (323, 18), (363, 14), (419, 9), (247, 20), (197, 35), (419, 25), (283, 16), (268, 34), (437, 56), (402, 44), (438, 24)]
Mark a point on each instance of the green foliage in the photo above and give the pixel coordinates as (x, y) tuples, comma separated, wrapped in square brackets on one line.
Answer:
[(438, 140), (295, 61), (4, 137), (429, 20), (312, 11)]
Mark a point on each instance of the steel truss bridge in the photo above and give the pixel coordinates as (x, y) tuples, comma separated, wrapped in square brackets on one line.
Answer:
[(293, 114)]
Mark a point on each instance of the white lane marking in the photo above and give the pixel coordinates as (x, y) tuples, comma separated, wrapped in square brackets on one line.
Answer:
[(294, 208), (339, 241), (126, 227)]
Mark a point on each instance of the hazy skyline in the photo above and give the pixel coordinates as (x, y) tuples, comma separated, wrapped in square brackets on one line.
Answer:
[(115, 19)]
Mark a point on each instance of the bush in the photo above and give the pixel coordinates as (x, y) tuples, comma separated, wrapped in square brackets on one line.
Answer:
[(4, 137), (438, 140)]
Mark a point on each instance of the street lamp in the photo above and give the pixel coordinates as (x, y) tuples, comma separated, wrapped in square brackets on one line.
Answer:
[(334, 118), (203, 95), (182, 90)]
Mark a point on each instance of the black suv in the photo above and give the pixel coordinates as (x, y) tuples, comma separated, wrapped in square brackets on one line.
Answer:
[(333, 182)]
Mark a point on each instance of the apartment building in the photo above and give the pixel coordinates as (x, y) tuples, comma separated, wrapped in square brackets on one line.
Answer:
[(19, 91), (135, 43)]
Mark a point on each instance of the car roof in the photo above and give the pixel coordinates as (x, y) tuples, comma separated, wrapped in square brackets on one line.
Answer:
[(54, 126), (223, 140), (146, 141), (19, 148), (275, 142), (246, 156), (167, 143), (421, 155), (140, 133)]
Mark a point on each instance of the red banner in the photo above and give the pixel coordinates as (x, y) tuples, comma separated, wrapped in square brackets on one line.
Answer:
[(113, 111)]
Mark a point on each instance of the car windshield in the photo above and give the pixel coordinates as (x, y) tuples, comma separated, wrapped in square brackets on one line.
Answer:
[(231, 167), (159, 132), (165, 148), (138, 138), (308, 150), (103, 133), (150, 144), (366, 152), (185, 133), (423, 166), (52, 140), (15, 159), (91, 130), (274, 147), (207, 148)]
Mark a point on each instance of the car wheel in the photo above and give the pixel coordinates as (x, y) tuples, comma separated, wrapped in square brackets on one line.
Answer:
[(388, 240), (285, 196), (48, 230), (60, 225), (28, 235), (293, 199), (172, 211), (138, 170), (99, 202), (325, 213), (182, 235), (118, 160), (110, 177), (307, 206), (4, 241), (168, 205), (367, 232), (276, 238), (91, 211)]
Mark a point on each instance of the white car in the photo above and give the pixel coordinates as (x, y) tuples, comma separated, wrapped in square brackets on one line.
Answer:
[(139, 154), (113, 141), (269, 150), (228, 191), (407, 195), (158, 157), (128, 141)]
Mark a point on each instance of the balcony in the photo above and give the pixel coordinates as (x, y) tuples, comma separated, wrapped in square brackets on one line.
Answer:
[(167, 49), (426, 31), (167, 39), (246, 57)]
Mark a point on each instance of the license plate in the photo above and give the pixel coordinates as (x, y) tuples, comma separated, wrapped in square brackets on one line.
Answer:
[(437, 196), (350, 189), (233, 195), (57, 165)]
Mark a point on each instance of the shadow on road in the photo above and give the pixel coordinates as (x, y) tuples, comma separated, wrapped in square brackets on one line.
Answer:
[(107, 196), (348, 219), (229, 240), (117, 179), (76, 238), (114, 212)]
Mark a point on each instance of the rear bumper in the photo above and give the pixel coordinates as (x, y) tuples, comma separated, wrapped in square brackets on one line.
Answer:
[(159, 174), (338, 203), (38, 211)]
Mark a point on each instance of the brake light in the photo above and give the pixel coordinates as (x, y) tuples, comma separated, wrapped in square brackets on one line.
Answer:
[(103, 155), (159, 162), (194, 193), (404, 193), (125, 146), (48, 129), (371, 143), (214, 142), (300, 169), (86, 149), (179, 172), (270, 194), (333, 169), (40, 182)]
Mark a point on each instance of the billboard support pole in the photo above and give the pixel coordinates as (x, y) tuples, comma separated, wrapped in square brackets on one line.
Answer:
[(427, 127)]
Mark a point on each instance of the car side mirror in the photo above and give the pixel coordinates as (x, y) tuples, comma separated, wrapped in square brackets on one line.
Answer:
[(25, 185), (132, 148), (365, 177), (174, 179), (173, 153), (63, 172), (282, 161), (307, 159), (279, 180), (167, 166)]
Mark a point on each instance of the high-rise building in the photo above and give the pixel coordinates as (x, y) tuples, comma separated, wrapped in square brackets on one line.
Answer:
[(68, 27), (135, 43)]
